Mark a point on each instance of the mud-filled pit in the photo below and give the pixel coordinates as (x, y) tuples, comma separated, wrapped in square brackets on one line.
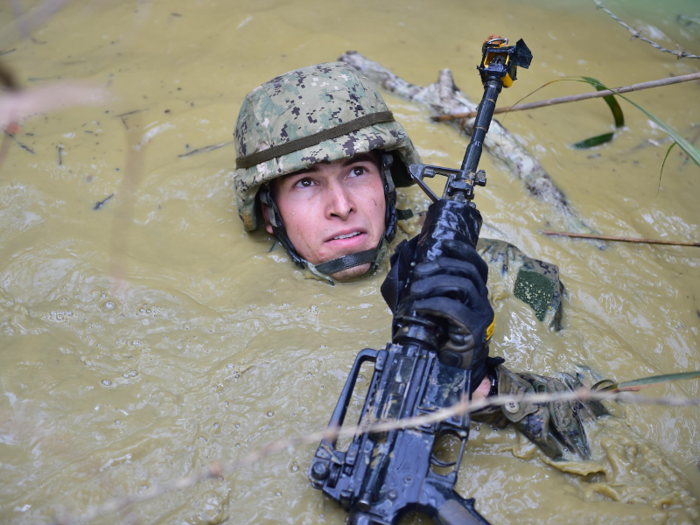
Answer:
[(146, 336)]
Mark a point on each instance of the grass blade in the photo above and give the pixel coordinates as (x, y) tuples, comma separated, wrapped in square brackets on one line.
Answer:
[(637, 384), (617, 115), (610, 100), (662, 166)]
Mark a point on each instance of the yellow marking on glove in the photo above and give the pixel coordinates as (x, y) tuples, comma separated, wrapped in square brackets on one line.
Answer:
[(491, 328)]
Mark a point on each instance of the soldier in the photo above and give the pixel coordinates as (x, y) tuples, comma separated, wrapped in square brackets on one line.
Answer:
[(318, 159)]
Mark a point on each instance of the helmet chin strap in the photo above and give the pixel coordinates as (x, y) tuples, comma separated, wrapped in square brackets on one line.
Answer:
[(344, 262), (349, 261)]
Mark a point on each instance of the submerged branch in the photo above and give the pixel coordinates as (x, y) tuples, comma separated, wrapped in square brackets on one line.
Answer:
[(443, 97), (576, 98), (218, 470), (679, 53), (620, 239)]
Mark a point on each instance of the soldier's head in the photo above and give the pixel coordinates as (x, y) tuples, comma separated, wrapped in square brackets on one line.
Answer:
[(318, 159)]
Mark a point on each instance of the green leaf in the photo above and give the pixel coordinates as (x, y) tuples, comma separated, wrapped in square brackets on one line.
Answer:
[(686, 146), (610, 99), (617, 115), (594, 141), (646, 381)]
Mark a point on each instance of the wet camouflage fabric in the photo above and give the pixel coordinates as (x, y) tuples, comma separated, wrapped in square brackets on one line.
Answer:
[(554, 427), (536, 283), (302, 103)]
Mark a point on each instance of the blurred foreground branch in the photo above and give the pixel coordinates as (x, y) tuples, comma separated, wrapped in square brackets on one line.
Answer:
[(218, 470), (19, 105), (679, 53)]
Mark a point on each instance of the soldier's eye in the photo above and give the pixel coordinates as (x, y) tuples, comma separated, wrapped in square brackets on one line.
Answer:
[(304, 183), (359, 170)]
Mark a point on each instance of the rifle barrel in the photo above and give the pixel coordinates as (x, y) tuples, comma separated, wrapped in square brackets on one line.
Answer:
[(481, 125)]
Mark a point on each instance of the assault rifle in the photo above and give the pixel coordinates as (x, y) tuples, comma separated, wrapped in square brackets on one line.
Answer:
[(385, 474)]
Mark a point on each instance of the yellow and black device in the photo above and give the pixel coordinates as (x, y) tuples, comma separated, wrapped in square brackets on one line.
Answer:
[(501, 61)]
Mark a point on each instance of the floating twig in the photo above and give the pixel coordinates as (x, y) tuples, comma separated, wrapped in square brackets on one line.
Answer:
[(620, 239), (60, 155), (102, 202), (21, 145), (205, 149), (679, 53), (576, 98), (128, 113)]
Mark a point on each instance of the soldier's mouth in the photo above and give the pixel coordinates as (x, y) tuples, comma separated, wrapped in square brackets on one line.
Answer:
[(347, 236), (347, 239)]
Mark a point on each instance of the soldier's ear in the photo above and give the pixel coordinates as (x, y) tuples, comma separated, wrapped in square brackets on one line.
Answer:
[(266, 216)]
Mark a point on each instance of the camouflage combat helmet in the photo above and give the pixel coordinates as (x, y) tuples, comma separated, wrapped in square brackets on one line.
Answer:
[(321, 113)]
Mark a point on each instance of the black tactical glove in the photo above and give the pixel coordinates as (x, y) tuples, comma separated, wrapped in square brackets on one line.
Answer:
[(452, 291)]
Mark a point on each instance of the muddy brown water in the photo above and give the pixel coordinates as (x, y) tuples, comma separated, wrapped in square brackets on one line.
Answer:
[(150, 337)]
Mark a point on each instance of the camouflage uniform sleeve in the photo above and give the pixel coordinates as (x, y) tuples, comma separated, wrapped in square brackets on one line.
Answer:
[(532, 281)]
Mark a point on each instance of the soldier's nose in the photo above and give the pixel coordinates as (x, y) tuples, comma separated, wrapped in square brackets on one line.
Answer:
[(341, 204)]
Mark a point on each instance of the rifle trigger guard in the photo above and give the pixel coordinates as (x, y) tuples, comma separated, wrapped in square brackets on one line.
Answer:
[(438, 463)]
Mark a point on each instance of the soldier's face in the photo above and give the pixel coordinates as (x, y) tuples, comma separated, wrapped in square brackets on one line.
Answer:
[(335, 209)]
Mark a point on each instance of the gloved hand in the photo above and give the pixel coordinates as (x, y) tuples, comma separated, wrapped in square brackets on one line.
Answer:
[(451, 290)]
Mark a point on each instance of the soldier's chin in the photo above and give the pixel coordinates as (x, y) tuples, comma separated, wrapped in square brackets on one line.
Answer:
[(356, 272)]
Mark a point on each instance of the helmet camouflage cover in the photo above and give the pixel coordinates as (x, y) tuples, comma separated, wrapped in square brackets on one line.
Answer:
[(321, 113)]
